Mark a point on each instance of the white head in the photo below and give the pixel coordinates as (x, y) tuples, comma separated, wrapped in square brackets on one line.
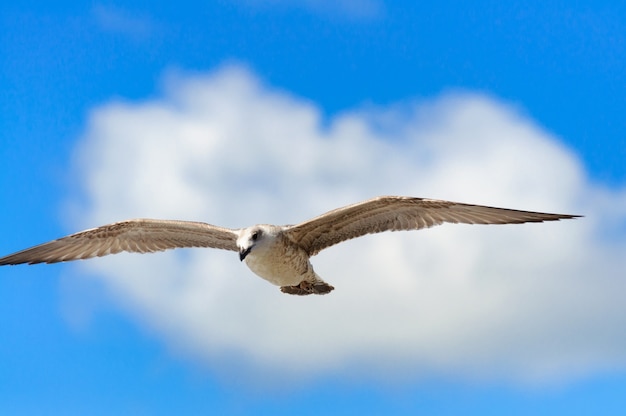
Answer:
[(252, 238)]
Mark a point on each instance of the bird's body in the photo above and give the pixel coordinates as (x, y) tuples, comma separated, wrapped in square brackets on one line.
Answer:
[(294, 273), (278, 254)]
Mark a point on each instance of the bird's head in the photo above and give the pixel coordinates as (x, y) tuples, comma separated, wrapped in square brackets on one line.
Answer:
[(253, 237)]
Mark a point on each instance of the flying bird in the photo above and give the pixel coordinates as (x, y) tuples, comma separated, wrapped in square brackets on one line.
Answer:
[(278, 254)]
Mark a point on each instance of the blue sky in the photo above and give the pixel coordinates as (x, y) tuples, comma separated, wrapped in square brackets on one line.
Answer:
[(251, 111)]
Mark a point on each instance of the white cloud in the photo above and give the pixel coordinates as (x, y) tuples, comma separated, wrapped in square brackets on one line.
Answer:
[(532, 302)]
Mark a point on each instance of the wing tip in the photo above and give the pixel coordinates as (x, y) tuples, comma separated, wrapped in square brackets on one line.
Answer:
[(12, 260)]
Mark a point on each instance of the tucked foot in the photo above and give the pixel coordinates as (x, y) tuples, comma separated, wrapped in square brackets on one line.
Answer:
[(308, 288)]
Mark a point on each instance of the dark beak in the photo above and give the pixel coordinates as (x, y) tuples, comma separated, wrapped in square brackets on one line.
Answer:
[(243, 253)]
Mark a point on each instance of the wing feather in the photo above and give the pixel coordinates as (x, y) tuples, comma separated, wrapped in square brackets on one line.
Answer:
[(135, 236), (395, 213)]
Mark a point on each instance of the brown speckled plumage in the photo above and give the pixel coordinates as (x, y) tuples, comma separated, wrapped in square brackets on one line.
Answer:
[(279, 254)]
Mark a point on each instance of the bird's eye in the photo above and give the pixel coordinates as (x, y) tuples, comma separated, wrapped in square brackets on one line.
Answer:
[(255, 235)]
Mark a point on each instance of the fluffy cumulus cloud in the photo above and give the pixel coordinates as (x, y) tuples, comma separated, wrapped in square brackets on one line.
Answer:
[(524, 303)]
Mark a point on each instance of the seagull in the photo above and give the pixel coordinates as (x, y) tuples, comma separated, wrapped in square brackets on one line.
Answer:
[(279, 254)]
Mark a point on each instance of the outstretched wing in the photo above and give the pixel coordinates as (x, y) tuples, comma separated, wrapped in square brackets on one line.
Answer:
[(135, 236), (395, 213)]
